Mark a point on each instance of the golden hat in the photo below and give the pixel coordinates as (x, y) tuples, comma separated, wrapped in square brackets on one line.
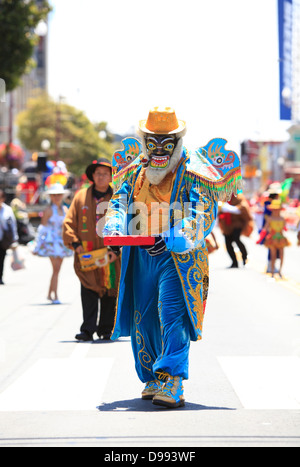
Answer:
[(276, 204), (162, 121)]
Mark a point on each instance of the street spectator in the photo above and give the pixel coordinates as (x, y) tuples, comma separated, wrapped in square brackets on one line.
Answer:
[(235, 220), (8, 231), (49, 240), (100, 283), (26, 232), (275, 240)]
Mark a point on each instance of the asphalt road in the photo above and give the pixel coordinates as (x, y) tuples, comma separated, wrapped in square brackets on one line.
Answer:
[(244, 386)]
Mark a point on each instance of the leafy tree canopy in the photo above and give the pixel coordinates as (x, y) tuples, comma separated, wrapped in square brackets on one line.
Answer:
[(18, 20), (73, 138)]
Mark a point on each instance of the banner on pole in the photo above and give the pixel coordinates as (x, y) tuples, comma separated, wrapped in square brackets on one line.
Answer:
[(285, 35)]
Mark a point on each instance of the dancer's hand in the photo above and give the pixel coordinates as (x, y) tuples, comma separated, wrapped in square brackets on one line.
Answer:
[(157, 249)]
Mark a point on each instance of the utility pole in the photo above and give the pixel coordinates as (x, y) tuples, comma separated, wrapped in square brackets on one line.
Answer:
[(58, 128)]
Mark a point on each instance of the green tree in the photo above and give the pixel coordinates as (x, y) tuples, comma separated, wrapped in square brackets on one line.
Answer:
[(73, 138), (18, 20), (104, 132)]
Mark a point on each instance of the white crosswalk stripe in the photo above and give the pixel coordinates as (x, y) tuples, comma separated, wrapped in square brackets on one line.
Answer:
[(78, 383), (55, 384), (265, 382)]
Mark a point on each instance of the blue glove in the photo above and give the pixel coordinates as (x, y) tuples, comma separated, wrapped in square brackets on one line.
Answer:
[(177, 241)]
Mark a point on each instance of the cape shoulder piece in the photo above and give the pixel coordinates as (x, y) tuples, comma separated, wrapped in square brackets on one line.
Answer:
[(126, 160), (213, 168), (132, 148)]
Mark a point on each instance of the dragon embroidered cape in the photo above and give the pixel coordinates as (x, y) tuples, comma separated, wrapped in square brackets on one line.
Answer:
[(203, 178)]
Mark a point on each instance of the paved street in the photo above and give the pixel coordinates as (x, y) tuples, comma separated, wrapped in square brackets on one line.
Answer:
[(244, 386)]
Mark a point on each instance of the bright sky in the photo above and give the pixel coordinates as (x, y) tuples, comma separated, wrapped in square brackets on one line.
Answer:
[(214, 61)]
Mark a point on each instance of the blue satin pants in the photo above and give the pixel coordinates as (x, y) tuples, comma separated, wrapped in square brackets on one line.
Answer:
[(160, 330)]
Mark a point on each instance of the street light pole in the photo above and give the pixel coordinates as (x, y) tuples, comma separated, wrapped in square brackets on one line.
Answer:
[(10, 118)]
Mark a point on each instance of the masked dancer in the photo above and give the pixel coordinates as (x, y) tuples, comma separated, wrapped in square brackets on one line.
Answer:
[(171, 195)]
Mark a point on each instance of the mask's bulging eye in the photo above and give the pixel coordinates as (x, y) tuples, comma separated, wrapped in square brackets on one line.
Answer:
[(151, 146), (169, 147)]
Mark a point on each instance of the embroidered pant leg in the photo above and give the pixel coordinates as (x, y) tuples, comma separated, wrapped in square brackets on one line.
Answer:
[(146, 338), (175, 325)]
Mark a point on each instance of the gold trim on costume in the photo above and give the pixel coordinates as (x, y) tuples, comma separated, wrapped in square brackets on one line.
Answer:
[(195, 281), (144, 357), (161, 326)]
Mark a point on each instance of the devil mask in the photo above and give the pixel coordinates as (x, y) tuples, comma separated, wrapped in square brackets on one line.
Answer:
[(160, 149), (162, 143)]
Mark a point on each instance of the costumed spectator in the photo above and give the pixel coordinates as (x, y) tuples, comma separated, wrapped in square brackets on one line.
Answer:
[(164, 286), (235, 219), (274, 191), (49, 242), (97, 283), (8, 231), (275, 240)]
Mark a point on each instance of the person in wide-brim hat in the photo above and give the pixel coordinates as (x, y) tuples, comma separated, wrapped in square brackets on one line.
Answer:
[(99, 286), (49, 241), (90, 170)]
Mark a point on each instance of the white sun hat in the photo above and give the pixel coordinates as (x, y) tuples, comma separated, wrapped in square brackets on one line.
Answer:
[(56, 189)]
